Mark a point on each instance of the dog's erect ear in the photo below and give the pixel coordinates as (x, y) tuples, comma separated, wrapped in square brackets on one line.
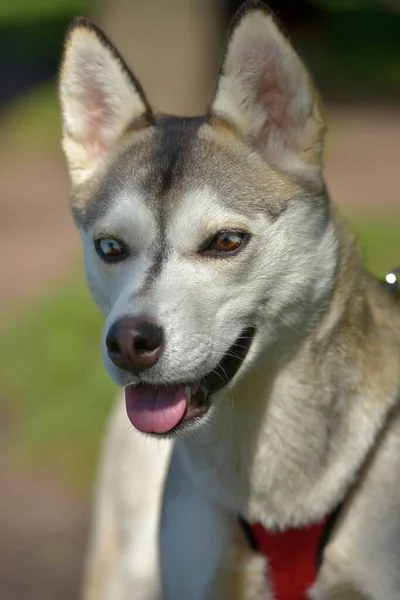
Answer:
[(265, 93), (99, 98)]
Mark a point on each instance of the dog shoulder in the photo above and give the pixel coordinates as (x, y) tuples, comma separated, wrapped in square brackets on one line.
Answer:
[(365, 545)]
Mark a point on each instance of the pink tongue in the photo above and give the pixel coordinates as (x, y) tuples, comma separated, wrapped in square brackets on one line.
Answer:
[(155, 410)]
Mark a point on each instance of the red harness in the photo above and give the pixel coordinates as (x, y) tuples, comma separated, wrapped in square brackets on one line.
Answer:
[(292, 557)]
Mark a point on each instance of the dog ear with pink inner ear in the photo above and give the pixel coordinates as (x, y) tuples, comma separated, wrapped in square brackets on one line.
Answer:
[(266, 95), (99, 97)]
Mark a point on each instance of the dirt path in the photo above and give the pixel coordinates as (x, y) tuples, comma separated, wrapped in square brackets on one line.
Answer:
[(37, 234), (42, 523), (362, 159), (43, 532)]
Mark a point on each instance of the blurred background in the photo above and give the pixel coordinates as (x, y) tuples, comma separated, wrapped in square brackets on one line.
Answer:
[(54, 394)]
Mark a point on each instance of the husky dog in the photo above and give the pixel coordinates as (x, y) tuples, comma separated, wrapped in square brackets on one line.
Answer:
[(243, 327)]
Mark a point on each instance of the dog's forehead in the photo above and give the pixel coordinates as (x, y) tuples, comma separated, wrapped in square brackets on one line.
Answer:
[(186, 154)]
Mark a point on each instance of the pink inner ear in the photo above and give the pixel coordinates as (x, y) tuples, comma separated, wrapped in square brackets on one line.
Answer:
[(263, 69), (97, 119), (271, 95)]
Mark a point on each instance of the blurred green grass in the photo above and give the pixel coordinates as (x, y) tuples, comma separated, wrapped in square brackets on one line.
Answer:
[(379, 238), (32, 122), (53, 380)]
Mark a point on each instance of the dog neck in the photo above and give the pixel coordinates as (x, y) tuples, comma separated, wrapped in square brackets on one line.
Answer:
[(284, 448)]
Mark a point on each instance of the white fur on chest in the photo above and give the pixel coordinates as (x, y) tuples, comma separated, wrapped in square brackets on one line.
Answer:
[(283, 454)]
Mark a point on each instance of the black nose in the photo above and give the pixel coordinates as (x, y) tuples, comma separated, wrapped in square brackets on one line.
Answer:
[(134, 344)]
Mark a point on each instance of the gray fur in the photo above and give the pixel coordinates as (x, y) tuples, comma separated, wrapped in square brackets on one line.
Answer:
[(311, 418)]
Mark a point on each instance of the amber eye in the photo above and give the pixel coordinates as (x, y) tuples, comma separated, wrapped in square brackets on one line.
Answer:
[(110, 250), (225, 243)]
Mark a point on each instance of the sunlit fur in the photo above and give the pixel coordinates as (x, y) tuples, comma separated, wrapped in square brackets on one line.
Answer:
[(312, 416)]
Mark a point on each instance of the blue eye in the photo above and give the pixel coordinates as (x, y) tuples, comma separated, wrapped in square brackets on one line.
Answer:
[(110, 250)]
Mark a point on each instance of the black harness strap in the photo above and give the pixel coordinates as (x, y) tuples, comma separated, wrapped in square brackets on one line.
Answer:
[(326, 534), (248, 534)]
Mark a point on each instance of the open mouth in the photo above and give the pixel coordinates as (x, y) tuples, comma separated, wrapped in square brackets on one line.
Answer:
[(166, 409)]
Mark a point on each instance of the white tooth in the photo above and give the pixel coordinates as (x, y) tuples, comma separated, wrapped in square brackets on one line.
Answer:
[(188, 393)]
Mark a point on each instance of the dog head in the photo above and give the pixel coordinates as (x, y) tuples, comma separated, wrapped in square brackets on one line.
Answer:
[(207, 241)]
